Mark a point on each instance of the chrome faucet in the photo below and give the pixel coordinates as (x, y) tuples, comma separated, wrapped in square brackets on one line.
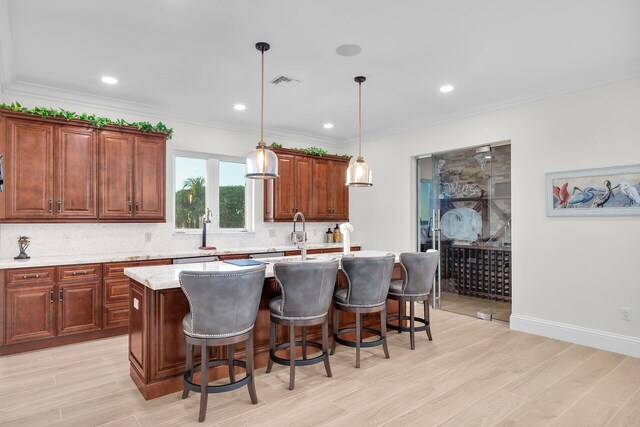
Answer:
[(206, 219), (300, 237)]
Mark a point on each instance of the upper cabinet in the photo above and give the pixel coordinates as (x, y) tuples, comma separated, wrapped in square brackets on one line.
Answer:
[(56, 171), (116, 175), (132, 176), (75, 172), (312, 185), (28, 169), (149, 177)]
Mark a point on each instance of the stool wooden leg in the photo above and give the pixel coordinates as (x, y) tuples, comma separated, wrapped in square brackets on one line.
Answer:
[(325, 346), (358, 337), (272, 346), (292, 355), (232, 371), (426, 319), (383, 331), (400, 313), (412, 332), (334, 328), (251, 385), (204, 380), (304, 342), (189, 368)]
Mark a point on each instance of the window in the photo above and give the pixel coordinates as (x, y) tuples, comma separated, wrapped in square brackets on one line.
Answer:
[(218, 183)]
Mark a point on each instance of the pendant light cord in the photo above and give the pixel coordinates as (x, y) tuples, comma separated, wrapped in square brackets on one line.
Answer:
[(262, 103), (359, 120)]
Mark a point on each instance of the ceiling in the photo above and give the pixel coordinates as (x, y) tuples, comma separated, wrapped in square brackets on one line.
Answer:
[(193, 60)]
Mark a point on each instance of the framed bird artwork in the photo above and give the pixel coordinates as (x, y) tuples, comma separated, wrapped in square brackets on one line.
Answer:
[(613, 191)]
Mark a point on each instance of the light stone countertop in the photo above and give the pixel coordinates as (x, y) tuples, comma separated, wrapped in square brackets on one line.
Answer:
[(167, 276), (168, 254)]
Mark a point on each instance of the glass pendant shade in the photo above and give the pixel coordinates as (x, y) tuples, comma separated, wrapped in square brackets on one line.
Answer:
[(359, 174), (262, 163)]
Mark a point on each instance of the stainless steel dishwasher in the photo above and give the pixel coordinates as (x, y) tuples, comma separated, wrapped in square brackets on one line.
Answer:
[(266, 255), (208, 258)]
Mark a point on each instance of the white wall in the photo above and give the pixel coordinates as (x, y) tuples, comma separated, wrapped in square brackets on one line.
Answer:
[(570, 275), (70, 239)]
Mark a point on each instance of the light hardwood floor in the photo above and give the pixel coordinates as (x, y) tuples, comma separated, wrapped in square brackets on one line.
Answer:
[(473, 373)]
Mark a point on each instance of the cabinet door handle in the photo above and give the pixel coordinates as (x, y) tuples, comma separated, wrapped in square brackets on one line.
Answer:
[(59, 205), (137, 207), (129, 206), (60, 295), (51, 206), (51, 296), (76, 273), (31, 276)]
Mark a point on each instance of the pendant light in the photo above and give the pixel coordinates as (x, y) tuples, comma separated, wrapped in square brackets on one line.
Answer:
[(359, 173), (262, 163)]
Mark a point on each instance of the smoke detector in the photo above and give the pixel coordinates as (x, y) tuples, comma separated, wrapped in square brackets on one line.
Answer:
[(285, 81)]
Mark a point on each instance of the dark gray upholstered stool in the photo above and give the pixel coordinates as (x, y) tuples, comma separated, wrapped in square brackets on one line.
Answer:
[(419, 271), (223, 308), (306, 289), (368, 284)]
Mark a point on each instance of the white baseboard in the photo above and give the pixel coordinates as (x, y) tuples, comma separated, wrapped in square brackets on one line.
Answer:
[(616, 343)]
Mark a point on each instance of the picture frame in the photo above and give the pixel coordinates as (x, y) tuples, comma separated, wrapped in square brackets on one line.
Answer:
[(610, 191)]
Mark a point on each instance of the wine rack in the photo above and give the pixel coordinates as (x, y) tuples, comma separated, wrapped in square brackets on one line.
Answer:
[(477, 271)]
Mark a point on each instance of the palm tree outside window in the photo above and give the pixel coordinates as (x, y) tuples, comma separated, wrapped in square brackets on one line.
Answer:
[(204, 181)]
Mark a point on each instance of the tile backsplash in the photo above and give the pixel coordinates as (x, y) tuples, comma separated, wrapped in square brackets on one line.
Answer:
[(89, 239)]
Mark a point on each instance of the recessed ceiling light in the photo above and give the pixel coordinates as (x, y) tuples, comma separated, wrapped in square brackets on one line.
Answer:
[(446, 88), (348, 50), (328, 125), (239, 107), (109, 80)]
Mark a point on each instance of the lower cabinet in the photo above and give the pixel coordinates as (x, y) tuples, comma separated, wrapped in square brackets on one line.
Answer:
[(36, 311), (79, 307), (115, 307), (30, 313), (49, 306)]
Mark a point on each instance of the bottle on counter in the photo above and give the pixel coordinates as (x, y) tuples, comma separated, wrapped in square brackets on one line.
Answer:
[(337, 236), (328, 236)]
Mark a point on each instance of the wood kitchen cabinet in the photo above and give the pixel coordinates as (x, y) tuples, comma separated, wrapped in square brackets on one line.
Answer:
[(79, 298), (132, 176), (59, 171), (37, 307), (51, 171), (28, 173), (308, 184), (330, 199), (75, 173), (115, 311), (116, 180), (30, 313), (291, 192)]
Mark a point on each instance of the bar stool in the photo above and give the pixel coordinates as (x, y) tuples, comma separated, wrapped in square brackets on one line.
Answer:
[(306, 289), (368, 279), (223, 308), (419, 271)]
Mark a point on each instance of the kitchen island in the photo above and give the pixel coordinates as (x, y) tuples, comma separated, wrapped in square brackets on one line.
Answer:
[(157, 306)]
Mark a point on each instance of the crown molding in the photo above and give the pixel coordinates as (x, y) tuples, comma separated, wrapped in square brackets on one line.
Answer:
[(524, 98), (52, 94)]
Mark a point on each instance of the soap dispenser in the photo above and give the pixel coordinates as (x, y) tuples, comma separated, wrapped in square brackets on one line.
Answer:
[(337, 236), (328, 236)]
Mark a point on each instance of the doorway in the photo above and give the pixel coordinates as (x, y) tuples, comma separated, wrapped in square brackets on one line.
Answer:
[(464, 211)]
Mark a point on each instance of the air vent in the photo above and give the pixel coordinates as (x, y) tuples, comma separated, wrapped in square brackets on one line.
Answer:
[(285, 81)]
